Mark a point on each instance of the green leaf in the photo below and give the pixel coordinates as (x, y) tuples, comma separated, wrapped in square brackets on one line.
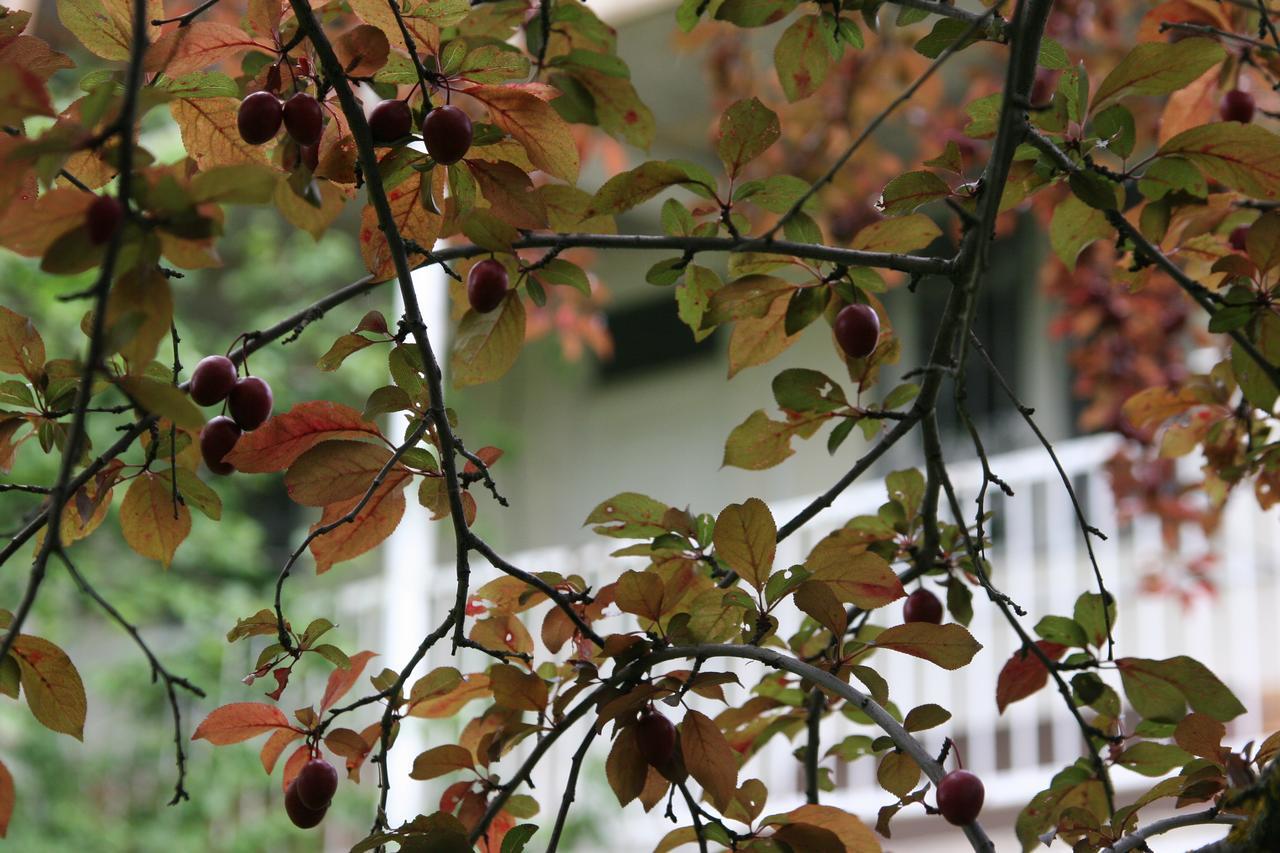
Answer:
[(747, 129), (1074, 226), (163, 399), (1158, 68), (629, 515), (1245, 157), (949, 646), (1090, 616), (516, 839), (1060, 629), (745, 540), (693, 296), (628, 189), (488, 344), (945, 33), (1172, 174), (804, 55), (1160, 690), (805, 306), (802, 390), (1153, 759), (1095, 190), (907, 192)]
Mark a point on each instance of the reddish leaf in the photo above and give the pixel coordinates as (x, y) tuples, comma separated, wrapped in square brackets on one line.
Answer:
[(1024, 674), (275, 745), (7, 799), (240, 721), (195, 47), (448, 758), (709, 757), (371, 525), (293, 765), (276, 444), (342, 680), (362, 50)]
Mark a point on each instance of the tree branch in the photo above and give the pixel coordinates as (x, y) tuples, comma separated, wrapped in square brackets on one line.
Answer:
[(158, 670), (1138, 838), (75, 439)]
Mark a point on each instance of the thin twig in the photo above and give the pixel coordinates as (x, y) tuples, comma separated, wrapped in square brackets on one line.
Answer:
[(158, 670)]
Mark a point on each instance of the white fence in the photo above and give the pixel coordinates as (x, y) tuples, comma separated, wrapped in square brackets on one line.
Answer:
[(1039, 561)]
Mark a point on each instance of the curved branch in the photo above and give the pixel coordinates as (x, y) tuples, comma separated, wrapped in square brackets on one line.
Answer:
[(1138, 839), (902, 739)]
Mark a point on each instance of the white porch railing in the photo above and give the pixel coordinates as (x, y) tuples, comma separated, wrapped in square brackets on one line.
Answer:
[(1039, 560)]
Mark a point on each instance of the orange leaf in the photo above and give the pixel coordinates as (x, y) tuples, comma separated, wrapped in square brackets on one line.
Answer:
[(276, 444), (372, 524), (240, 721), (293, 765), (535, 124), (446, 705), (29, 228), (412, 220), (210, 134), (342, 680), (196, 47), (275, 745), (148, 520)]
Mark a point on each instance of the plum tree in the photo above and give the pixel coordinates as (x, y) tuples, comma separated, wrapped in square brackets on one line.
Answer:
[(1086, 134)]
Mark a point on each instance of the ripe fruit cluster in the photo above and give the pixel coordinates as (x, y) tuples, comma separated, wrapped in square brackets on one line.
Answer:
[(446, 130), (857, 330), (655, 737), (261, 114), (960, 796), (249, 400), (309, 794), (486, 286)]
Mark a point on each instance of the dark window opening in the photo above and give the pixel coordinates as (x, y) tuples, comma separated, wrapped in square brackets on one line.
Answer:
[(650, 335)]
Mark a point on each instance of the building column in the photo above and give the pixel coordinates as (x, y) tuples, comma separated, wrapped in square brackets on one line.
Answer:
[(408, 564)]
